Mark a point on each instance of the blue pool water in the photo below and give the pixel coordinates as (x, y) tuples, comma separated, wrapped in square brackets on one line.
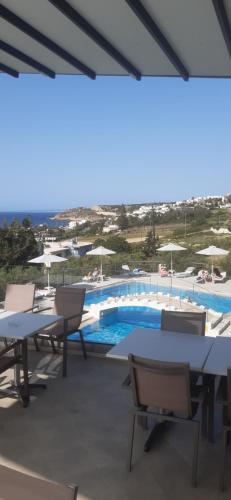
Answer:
[(216, 302), (115, 325)]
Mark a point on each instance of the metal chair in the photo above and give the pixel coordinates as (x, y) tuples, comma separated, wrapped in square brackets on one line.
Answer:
[(224, 392), (69, 302), (21, 486), (164, 386), (19, 298), (183, 322)]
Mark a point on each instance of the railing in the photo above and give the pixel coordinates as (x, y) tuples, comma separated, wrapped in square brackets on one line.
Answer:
[(67, 276)]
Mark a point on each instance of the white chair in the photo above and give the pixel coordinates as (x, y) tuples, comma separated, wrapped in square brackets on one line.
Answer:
[(185, 274)]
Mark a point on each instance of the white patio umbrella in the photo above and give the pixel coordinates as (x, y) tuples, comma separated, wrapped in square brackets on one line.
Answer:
[(213, 251), (101, 252), (171, 247), (47, 260)]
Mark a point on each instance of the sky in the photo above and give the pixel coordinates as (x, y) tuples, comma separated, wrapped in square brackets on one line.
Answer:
[(74, 142)]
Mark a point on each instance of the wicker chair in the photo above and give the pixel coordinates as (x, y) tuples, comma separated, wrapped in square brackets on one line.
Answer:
[(164, 386)]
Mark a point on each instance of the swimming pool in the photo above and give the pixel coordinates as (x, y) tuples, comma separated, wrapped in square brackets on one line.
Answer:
[(116, 324), (217, 302)]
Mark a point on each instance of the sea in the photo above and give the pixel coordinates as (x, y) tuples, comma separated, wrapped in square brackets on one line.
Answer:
[(37, 218)]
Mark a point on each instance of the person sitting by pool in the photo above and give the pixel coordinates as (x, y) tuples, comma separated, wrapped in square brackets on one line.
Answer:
[(217, 276), (87, 277), (216, 272), (163, 270), (203, 276), (96, 274), (92, 276)]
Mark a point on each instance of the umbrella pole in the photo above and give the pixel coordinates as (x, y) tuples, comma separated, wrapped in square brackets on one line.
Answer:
[(48, 279), (101, 268), (171, 262)]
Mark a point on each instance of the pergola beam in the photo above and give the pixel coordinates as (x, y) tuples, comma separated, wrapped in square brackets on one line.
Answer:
[(151, 26), (67, 10), (10, 71), (26, 59), (32, 32), (223, 20)]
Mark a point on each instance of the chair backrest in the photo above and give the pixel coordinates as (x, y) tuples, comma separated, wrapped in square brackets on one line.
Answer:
[(190, 269), (229, 393), (160, 384), (19, 298), (125, 267), (183, 321), (69, 301), (20, 486)]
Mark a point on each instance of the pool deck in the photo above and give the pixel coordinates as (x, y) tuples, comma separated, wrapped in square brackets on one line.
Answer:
[(77, 432)]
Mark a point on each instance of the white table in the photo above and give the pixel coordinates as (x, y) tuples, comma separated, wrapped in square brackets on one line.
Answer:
[(219, 358), (165, 346), (20, 326)]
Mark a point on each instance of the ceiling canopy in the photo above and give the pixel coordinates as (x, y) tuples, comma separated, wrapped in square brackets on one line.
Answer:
[(184, 38)]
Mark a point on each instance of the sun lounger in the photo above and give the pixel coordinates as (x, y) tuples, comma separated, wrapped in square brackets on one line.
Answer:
[(139, 272), (219, 279), (185, 274), (136, 272)]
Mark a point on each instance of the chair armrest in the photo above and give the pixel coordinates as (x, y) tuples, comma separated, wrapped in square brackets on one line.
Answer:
[(10, 347), (42, 310), (30, 309)]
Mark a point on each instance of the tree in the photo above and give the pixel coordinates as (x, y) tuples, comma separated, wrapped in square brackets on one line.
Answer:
[(115, 243), (17, 244), (122, 220), (150, 244)]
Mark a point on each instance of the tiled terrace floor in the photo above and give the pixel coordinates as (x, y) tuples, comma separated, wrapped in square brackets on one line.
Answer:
[(76, 432)]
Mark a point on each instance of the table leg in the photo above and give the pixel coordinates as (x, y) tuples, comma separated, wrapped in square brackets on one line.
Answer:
[(65, 350), (25, 389), (25, 393), (211, 393)]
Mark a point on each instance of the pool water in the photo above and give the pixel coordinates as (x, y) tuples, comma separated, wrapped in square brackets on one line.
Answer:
[(115, 325), (217, 302)]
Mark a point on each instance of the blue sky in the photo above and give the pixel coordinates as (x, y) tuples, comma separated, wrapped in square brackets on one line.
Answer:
[(72, 141)]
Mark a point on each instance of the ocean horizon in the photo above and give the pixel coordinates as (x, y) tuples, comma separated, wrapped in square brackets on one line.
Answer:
[(37, 217)]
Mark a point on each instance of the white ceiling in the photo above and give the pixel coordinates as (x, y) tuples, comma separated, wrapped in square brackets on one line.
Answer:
[(191, 27)]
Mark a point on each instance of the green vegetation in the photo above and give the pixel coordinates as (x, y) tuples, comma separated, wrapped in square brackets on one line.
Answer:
[(151, 244), (17, 244), (115, 243), (122, 220)]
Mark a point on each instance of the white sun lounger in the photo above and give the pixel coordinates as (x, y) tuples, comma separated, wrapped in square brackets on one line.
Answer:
[(185, 274)]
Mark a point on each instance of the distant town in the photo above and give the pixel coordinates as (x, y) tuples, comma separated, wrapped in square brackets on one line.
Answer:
[(110, 213)]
